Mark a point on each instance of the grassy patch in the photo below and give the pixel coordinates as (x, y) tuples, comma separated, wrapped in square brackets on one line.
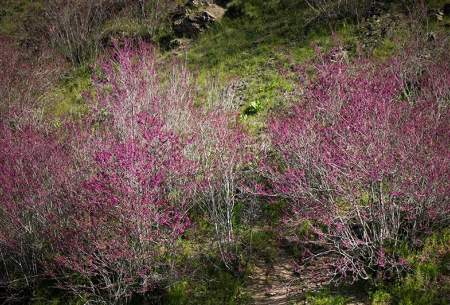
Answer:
[(325, 297), (13, 13), (427, 283), (216, 286), (381, 297), (261, 49), (125, 27), (67, 98)]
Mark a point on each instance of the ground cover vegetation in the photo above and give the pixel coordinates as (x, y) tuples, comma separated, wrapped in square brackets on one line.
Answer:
[(141, 167)]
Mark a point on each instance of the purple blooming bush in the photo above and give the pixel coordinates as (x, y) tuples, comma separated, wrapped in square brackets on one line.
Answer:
[(33, 174), (101, 206), (132, 205), (364, 168)]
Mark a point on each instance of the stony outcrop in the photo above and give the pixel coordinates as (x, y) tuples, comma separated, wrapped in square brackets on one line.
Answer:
[(446, 9), (195, 16)]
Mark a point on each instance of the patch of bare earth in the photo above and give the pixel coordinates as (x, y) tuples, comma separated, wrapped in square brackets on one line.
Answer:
[(282, 283)]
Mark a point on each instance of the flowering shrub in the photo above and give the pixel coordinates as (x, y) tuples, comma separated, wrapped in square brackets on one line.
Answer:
[(127, 214), (100, 206), (23, 75), (33, 171), (364, 168), (215, 144), (105, 213), (132, 205)]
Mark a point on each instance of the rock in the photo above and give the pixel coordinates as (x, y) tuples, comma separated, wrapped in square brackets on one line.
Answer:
[(187, 27), (196, 16), (215, 10), (179, 43), (270, 294), (222, 3), (446, 9), (197, 3)]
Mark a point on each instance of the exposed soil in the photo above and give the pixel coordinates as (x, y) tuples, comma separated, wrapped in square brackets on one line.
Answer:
[(282, 283)]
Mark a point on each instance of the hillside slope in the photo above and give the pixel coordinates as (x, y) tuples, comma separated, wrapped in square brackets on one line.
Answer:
[(224, 152)]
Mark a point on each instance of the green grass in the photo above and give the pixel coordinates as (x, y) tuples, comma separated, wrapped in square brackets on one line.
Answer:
[(426, 283), (13, 13), (125, 27), (261, 51), (325, 297), (68, 97), (214, 286)]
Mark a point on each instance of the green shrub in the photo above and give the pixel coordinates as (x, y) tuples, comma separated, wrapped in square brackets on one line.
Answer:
[(425, 284), (178, 293)]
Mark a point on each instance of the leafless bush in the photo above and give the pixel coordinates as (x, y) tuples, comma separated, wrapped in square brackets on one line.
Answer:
[(71, 24), (156, 14), (220, 148), (330, 10), (24, 77), (223, 153)]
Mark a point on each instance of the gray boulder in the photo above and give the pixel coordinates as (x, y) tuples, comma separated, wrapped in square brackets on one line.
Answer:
[(195, 17)]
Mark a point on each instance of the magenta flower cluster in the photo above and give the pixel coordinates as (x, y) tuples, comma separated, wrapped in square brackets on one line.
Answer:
[(364, 160)]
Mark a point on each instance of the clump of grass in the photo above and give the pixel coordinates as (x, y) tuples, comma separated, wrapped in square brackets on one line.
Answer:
[(381, 297), (215, 286), (67, 98), (325, 297)]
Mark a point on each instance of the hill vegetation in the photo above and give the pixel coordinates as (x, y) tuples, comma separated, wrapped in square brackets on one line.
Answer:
[(224, 152)]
